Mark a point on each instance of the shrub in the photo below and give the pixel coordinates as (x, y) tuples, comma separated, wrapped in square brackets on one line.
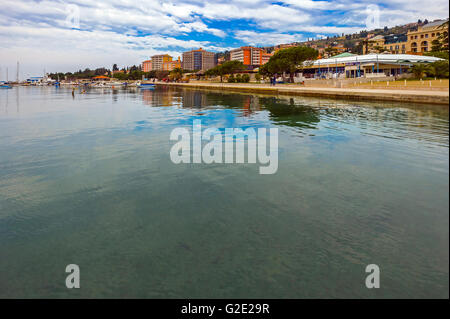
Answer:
[(238, 78), (231, 79), (245, 78)]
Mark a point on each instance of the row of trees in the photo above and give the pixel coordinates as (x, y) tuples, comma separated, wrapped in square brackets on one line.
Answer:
[(228, 67), (87, 73), (132, 73), (439, 69), (290, 60)]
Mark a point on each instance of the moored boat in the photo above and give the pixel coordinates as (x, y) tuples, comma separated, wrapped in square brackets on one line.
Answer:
[(145, 85)]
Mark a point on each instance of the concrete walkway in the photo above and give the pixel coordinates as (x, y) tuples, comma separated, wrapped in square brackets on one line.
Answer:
[(428, 97)]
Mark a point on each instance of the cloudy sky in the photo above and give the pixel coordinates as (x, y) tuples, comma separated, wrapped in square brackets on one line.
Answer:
[(66, 35)]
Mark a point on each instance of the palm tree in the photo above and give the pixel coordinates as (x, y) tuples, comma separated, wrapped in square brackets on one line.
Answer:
[(420, 70)]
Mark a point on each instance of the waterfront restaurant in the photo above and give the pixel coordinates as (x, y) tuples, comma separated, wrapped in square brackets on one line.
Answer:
[(370, 65)]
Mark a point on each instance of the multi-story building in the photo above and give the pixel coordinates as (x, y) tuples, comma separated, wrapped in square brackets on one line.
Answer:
[(250, 56), (396, 43), (170, 65), (265, 57), (158, 61), (198, 60), (416, 41), (147, 66), (420, 40), (374, 43)]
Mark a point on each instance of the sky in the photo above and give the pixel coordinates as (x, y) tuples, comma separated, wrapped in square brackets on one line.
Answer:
[(68, 35)]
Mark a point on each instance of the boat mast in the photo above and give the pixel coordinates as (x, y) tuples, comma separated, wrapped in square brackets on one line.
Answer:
[(17, 75)]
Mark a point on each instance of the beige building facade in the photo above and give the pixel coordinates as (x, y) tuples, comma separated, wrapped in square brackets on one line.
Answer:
[(420, 41), (159, 60), (417, 41), (197, 60)]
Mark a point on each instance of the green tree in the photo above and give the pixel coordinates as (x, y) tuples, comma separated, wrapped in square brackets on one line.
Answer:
[(121, 76), (245, 78), (441, 54), (440, 69), (290, 60), (420, 70), (436, 45), (135, 75), (228, 67), (176, 74), (443, 37), (264, 70)]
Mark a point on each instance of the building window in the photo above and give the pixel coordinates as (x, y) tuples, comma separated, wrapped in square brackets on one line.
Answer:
[(421, 36), (415, 37), (432, 34), (426, 35), (412, 38)]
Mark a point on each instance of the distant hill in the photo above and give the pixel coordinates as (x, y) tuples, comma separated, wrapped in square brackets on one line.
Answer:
[(348, 42)]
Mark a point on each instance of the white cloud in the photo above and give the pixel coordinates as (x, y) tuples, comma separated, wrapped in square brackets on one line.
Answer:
[(127, 31), (62, 49), (266, 38)]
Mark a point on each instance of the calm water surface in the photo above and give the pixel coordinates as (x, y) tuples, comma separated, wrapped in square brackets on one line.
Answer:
[(88, 180)]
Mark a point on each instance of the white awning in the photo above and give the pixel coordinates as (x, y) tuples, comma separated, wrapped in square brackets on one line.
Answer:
[(378, 58)]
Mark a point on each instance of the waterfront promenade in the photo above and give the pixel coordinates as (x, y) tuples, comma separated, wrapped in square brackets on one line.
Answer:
[(407, 95)]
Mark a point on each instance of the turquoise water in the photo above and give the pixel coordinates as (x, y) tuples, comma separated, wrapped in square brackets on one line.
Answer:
[(88, 180)]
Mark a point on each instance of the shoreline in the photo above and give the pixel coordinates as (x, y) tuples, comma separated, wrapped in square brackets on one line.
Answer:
[(411, 96)]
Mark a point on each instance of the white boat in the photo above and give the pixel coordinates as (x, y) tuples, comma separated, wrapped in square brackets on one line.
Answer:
[(114, 84)]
